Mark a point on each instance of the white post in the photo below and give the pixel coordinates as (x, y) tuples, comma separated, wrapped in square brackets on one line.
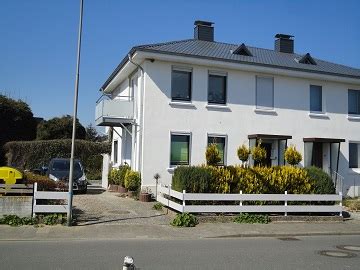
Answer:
[(241, 200), (285, 203), (340, 194), (105, 171), (183, 204), (34, 199)]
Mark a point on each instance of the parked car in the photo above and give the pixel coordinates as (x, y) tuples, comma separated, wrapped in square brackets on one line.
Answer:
[(59, 169)]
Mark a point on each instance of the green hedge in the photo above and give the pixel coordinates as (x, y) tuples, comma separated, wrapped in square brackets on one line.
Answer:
[(117, 176), (34, 154), (323, 181), (232, 179)]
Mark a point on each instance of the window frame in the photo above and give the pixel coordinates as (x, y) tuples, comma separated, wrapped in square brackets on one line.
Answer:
[(257, 107), (217, 74), (183, 70), (321, 99), (180, 133), (358, 156), (357, 102), (218, 135), (116, 151)]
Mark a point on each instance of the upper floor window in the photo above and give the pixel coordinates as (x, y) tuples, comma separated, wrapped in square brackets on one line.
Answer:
[(181, 84), (316, 98), (220, 144), (217, 88), (354, 102), (264, 92), (180, 149), (354, 155)]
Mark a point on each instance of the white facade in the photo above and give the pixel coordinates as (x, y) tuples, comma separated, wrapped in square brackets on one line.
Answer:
[(156, 116)]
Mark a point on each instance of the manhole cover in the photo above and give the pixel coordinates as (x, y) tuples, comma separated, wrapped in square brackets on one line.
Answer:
[(337, 254), (288, 239), (349, 247)]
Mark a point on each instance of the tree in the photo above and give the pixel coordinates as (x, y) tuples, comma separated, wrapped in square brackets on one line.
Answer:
[(17, 122), (243, 153), (212, 155), (59, 128), (292, 156), (258, 154), (93, 135)]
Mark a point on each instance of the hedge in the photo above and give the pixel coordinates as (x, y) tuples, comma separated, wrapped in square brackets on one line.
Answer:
[(34, 154), (232, 179), (323, 181)]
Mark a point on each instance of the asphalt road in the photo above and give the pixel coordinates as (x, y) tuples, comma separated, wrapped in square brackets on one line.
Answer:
[(240, 253)]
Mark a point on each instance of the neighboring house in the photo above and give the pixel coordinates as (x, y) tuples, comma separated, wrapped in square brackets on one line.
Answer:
[(169, 100)]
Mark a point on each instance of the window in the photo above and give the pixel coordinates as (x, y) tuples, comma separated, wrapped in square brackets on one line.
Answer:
[(315, 98), (220, 143), (354, 102), (115, 152), (180, 149), (181, 85), (354, 155), (264, 92), (217, 89)]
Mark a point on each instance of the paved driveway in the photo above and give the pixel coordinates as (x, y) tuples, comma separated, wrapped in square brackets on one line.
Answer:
[(104, 207)]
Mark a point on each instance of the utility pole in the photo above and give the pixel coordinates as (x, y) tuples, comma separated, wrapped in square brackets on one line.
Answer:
[(71, 173)]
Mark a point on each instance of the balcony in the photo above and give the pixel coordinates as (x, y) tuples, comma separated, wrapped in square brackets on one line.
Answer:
[(114, 112)]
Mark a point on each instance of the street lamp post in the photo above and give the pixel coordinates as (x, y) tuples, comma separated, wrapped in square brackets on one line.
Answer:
[(71, 173)]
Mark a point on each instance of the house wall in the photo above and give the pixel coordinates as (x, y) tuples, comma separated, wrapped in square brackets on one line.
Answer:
[(239, 118)]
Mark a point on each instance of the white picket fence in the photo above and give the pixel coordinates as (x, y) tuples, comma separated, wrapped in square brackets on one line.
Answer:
[(50, 195), (166, 196)]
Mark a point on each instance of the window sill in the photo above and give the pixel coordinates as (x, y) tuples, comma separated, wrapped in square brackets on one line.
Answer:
[(354, 171), (320, 115), (220, 107), (265, 111), (171, 169), (183, 104), (353, 117)]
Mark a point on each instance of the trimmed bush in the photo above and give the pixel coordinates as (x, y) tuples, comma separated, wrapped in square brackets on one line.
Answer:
[(93, 167), (132, 180), (292, 156), (184, 220), (323, 183), (34, 154), (212, 155), (243, 153), (117, 176), (258, 154), (44, 183), (194, 179)]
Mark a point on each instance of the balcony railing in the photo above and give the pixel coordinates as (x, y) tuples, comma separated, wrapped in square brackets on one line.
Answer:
[(114, 112)]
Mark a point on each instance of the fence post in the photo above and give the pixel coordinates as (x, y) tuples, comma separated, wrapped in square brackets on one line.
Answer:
[(156, 189), (241, 200), (340, 194), (285, 203), (34, 199), (168, 199), (183, 204)]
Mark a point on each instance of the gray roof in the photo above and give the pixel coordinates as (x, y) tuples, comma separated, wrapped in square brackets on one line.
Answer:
[(223, 52)]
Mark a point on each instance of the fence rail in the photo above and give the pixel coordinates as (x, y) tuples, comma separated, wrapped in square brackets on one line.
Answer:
[(167, 196), (16, 189), (50, 195)]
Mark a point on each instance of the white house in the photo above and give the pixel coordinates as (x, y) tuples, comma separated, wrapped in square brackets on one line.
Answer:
[(165, 102)]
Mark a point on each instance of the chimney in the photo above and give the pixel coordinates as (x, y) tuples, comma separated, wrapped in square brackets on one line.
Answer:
[(204, 30), (284, 43)]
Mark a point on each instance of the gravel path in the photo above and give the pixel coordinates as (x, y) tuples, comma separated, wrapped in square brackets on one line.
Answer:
[(104, 207)]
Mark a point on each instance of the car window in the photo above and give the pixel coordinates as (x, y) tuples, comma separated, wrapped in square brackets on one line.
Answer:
[(64, 165)]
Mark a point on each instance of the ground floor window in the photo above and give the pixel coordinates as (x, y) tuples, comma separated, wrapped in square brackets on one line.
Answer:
[(220, 142), (354, 155), (180, 149), (115, 152)]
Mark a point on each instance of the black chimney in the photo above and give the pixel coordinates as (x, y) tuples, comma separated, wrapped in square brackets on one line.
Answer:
[(204, 30), (284, 43)]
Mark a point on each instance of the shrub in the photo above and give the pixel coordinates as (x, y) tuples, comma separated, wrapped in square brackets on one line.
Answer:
[(44, 183), (117, 176), (243, 153), (34, 154), (251, 218), (93, 167), (49, 219), (323, 183), (158, 206), (194, 179), (223, 179), (258, 154), (292, 156), (132, 180), (212, 155), (184, 220)]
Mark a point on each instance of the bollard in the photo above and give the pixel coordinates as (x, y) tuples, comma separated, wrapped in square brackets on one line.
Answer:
[(128, 263)]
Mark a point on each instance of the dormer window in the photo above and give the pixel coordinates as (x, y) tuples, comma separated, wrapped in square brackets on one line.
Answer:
[(242, 50), (306, 59)]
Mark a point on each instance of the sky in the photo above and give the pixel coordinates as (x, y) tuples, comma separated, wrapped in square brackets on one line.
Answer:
[(38, 39)]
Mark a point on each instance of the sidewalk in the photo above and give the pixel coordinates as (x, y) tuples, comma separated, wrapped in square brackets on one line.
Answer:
[(153, 231)]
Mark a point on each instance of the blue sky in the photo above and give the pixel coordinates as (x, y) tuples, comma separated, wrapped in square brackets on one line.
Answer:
[(38, 39)]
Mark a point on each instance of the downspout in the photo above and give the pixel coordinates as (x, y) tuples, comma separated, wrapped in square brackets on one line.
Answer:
[(140, 97)]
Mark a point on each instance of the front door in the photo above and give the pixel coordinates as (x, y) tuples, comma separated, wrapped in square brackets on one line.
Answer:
[(317, 158), (267, 161)]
